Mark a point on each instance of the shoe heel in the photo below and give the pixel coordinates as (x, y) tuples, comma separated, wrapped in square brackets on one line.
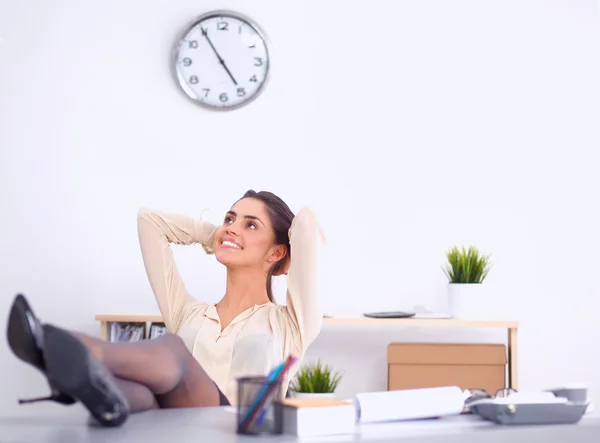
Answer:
[(71, 368), (27, 401), (57, 398)]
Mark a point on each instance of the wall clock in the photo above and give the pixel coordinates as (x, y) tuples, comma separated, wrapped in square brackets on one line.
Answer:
[(221, 60)]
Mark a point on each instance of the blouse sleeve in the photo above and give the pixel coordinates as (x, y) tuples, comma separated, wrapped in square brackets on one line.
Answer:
[(156, 231), (303, 305)]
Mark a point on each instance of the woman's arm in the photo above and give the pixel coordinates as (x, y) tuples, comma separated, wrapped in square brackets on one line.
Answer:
[(156, 230), (302, 298)]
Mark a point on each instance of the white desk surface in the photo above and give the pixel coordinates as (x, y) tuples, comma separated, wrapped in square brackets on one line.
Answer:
[(196, 425)]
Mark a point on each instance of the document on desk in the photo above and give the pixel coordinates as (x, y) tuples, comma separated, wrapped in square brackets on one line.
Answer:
[(409, 404)]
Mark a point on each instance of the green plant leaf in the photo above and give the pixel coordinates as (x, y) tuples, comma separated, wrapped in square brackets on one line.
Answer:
[(466, 265), (316, 378)]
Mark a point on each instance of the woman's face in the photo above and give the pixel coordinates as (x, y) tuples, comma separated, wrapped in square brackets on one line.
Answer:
[(246, 238)]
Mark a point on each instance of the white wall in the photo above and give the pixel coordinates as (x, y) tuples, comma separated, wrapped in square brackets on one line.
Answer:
[(407, 126)]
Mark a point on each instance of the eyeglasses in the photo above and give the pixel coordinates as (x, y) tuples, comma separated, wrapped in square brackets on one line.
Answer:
[(500, 393), (480, 394)]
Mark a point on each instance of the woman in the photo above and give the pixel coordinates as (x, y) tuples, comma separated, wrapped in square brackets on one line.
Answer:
[(207, 346), (245, 333)]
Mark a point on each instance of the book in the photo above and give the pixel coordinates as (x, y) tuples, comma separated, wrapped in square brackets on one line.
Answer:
[(322, 416), (126, 332), (157, 330)]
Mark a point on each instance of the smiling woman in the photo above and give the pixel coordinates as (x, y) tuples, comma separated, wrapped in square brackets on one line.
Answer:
[(245, 333)]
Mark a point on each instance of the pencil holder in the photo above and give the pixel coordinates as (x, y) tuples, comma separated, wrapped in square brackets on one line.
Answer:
[(258, 408)]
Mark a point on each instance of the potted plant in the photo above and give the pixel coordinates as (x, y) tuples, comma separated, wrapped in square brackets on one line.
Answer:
[(315, 380), (466, 270)]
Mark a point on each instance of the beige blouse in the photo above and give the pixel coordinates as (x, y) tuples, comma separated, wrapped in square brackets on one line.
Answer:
[(259, 338)]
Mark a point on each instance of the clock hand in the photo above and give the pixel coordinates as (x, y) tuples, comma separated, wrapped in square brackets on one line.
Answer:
[(205, 34)]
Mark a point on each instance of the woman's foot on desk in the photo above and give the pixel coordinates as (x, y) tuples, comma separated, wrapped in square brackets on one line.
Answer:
[(25, 338), (70, 368)]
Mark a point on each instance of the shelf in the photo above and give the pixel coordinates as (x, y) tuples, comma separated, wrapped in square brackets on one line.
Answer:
[(510, 325), (356, 321), (129, 318), (420, 322)]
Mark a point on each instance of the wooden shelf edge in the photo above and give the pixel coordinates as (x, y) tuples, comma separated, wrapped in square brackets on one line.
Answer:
[(132, 318), (356, 321), (422, 322)]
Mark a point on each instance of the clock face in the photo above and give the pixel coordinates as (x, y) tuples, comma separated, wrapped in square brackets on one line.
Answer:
[(221, 60)]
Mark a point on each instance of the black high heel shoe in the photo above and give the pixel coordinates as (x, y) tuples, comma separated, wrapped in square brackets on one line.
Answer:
[(70, 368), (25, 338)]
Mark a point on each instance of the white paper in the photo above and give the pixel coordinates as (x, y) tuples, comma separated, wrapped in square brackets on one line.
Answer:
[(409, 404)]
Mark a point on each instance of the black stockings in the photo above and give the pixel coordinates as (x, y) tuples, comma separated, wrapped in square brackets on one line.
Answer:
[(156, 373)]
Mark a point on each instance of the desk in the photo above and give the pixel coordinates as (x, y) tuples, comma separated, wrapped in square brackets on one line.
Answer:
[(194, 425), (511, 327)]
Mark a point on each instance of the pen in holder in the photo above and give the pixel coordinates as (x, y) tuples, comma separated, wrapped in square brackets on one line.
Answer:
[(258, 411)]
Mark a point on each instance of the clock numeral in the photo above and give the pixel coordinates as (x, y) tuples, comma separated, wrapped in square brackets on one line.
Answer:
[(223, 97), (187, 61), (193, 44), (206, 91), (223, 26), (193, 80), (241, 92), (253, 78), (258, 61)]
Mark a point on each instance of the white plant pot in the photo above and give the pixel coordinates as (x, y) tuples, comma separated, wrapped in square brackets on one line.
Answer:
[(468, 301), (312, 395)]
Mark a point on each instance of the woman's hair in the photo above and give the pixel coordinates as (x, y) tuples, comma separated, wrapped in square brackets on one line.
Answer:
[(281, 217)]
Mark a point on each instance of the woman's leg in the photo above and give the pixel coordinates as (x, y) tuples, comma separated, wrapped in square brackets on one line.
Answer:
[(139, 397), (164, 365)]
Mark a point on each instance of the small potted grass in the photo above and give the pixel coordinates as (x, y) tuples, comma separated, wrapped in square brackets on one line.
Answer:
[(466, 269), (315, 380)]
